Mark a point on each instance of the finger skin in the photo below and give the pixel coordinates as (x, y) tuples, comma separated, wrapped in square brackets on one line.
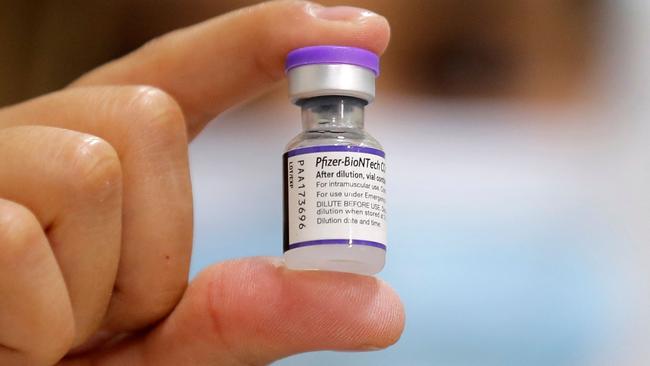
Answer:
[(147, 129), (218, 63), (254, 311), (36, 321), (72, 182)]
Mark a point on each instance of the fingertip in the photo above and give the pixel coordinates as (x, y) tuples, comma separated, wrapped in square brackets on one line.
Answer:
[(340, 25), (396, 318), (381, 32), (373, 28), (309, 24)]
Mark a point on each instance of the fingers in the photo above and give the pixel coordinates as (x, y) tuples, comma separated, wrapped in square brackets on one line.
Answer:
[(72, 183), (254, 311), (147, 129), (36, 321), (216, 64)]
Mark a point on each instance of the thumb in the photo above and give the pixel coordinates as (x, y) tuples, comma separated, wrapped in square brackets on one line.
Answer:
[(255, 311)]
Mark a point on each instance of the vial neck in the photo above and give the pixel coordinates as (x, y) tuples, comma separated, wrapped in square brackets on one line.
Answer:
[(332, 113)]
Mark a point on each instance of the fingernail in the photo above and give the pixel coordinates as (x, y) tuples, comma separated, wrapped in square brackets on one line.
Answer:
[(340, 13)]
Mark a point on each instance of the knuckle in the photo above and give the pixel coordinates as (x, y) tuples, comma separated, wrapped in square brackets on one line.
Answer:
[(55, 347), (54, 331), (156, 116), (42, 350), (166, 297), (164, 302), (156, 302), (66, 333), (96, 168), (18, 228)]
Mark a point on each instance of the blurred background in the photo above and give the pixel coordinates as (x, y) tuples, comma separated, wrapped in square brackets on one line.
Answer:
[(517, 138)]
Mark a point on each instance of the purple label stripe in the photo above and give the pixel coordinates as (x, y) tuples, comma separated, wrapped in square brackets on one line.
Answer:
[(337, 242), (344, 148)]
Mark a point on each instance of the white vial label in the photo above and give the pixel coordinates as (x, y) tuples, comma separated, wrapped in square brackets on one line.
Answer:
[(335, 195)]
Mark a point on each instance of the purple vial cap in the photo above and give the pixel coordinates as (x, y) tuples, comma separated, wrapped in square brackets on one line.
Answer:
[(314, 55)]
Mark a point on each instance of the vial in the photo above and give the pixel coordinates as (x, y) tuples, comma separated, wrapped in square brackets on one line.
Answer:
[(334, 171)]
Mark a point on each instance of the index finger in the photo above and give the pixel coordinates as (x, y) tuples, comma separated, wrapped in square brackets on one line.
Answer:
[(220, 62)]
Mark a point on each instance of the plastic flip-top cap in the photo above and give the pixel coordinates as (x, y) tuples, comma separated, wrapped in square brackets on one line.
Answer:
[(315, 55), (332, 70)]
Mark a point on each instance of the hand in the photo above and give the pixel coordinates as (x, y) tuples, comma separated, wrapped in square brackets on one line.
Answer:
[(96, 212)]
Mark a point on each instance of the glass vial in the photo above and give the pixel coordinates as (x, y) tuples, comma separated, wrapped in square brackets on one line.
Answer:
[(334, 171)]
